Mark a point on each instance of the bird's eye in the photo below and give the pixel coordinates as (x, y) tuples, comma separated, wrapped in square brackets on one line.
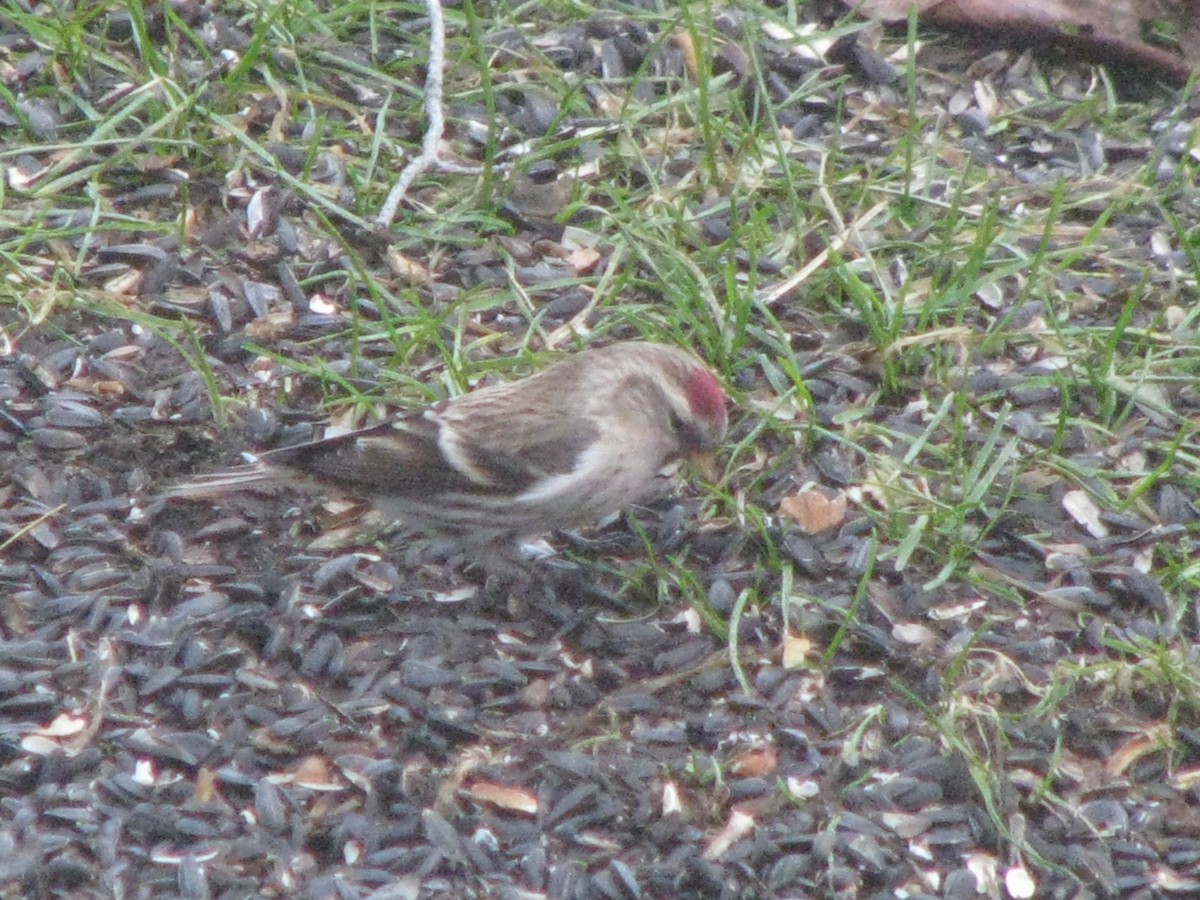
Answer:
[(685, 431)]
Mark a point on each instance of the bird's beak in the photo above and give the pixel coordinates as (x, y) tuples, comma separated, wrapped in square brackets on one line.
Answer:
[(705, 462)]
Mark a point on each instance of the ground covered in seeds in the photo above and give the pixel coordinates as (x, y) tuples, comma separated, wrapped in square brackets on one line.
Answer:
[(932, 632)]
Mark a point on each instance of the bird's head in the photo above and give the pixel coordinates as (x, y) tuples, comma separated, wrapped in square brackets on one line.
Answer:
[(695, 409)]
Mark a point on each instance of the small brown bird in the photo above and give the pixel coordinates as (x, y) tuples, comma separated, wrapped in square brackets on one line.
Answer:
[(585, 438)]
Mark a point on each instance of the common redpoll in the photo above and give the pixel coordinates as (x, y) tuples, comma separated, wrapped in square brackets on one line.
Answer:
[(585, 438)]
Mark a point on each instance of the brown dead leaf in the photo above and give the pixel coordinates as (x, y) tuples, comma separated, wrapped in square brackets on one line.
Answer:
[(272, 326), (314, 772), (583, 260), (506, 797), (108, 388), (796, 650), (813, 511), (411, 271), (757, 763)]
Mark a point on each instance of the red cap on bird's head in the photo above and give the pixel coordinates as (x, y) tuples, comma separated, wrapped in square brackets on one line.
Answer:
[(705, 397)]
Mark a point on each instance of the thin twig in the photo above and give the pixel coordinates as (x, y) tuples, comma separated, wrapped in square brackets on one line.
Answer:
[(434, 117)]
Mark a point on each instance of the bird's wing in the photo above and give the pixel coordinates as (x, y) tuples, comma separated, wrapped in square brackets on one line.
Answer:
[(397, 457), (510, 448), (436, 452)]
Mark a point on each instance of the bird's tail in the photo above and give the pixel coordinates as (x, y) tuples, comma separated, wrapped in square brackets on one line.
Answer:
[(255, 476)]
